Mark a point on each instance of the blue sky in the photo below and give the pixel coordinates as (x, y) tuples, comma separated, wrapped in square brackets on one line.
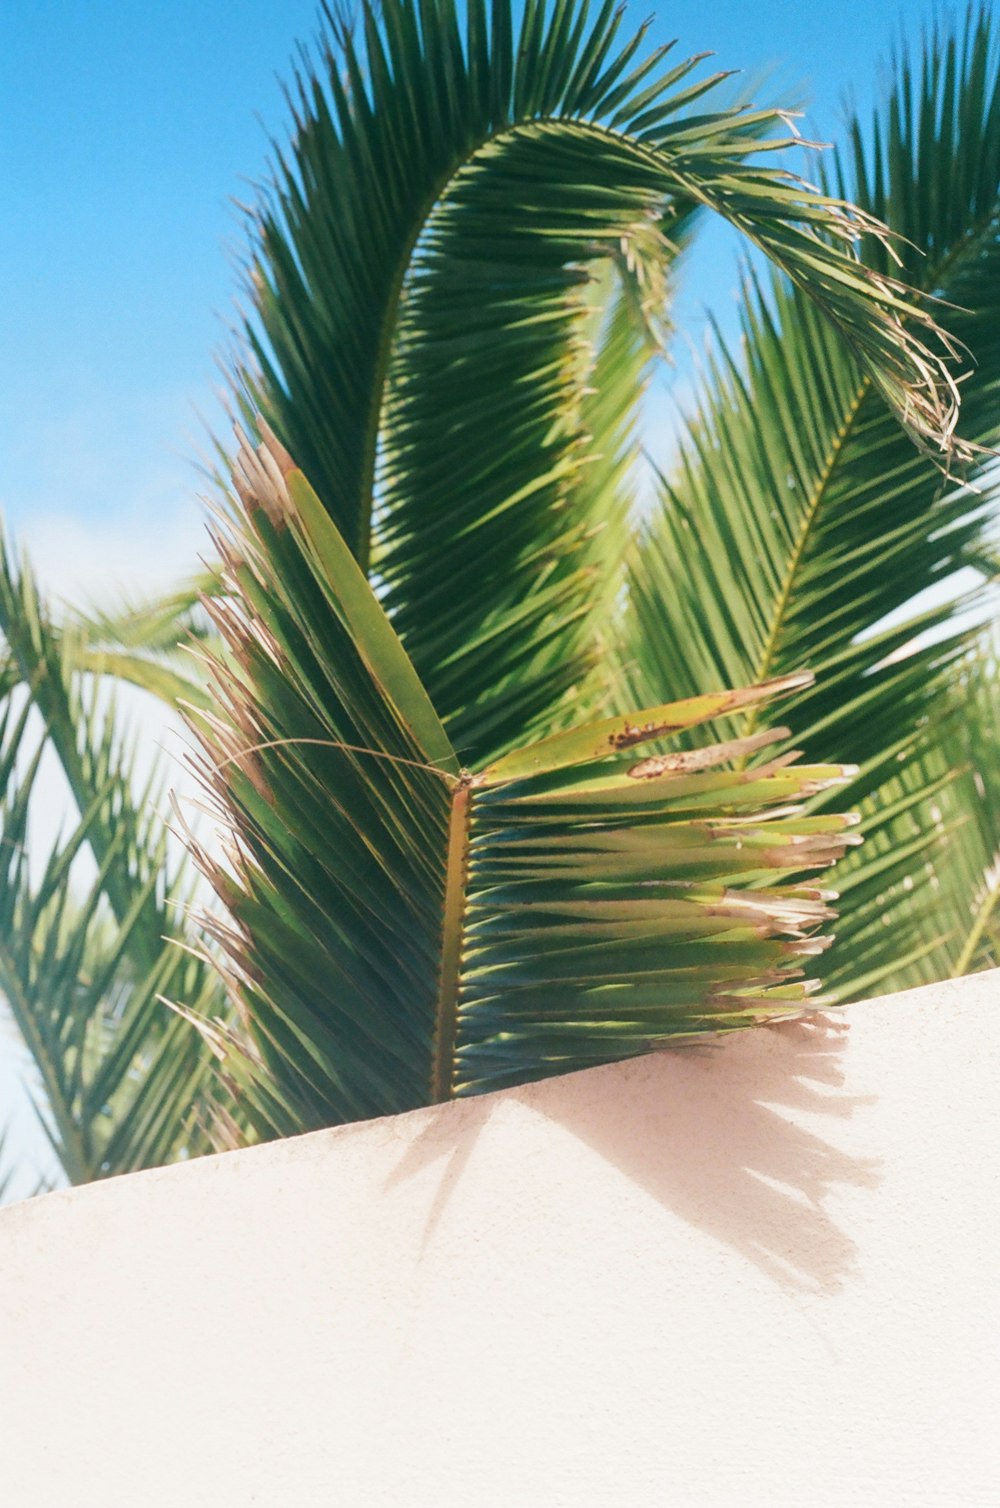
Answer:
[(126, 129)]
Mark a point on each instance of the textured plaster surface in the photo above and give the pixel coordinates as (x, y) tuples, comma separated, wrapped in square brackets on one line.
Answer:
[(765, 1273)]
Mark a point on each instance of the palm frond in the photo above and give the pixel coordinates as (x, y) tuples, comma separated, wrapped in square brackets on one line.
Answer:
[(92, 935), (931, 880), (798, 524), (967, 890), (420, 284), (451, 931)]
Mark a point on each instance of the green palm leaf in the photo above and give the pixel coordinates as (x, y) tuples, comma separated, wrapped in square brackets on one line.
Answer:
[(449, 931), (932, 874), (798, 524), (968, 890)]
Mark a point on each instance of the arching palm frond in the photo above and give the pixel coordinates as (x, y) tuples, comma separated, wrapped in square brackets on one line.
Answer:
[(420, 286)]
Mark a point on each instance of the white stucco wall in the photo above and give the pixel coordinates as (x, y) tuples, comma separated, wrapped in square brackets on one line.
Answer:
[(763, 1274)]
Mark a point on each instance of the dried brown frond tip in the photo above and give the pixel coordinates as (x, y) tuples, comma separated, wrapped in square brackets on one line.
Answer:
[(259, 474)]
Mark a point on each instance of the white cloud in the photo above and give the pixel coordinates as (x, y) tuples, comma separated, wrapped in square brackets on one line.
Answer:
[(87, 562), (102, 487)]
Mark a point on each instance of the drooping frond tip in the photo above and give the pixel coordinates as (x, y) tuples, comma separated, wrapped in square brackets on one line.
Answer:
[(911, 357)]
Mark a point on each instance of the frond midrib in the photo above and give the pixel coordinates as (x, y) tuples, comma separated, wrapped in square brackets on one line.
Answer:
[(763, 669), (452, 927)]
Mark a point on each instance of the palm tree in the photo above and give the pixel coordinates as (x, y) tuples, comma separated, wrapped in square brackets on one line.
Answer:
[(458, 857), (458, 281)]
